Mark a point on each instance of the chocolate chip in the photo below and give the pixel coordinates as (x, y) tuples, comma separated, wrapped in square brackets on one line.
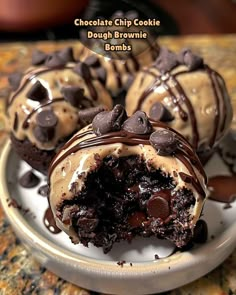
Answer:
[(86, 116), (83, 70), (159, 112), (37, 92), (101, 74), (43, 190), (200, 232), (191, 60), (105, 122), (166, 61), (138, 123), (14, 80), (66, 54), (158, 207), (92, 61), (73, 94), (164, 141), (29, 180), (38, 57), (46, 119), (54, 61)]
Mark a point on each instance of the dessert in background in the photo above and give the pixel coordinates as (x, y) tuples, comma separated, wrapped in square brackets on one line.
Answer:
[(122, 177), (117, 69), (184, 92), (48, 103)]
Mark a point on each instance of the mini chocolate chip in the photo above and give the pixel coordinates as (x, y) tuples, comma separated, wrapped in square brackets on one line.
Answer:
[(37, 92), (46, 119), (164, 141), (83, 70), (14, 80), (29, 180), (158, 207), (191, 60), (38, 57), (200, 232), (166, 61), (101, 74), (43, 190), (92, 61), (138, 123), (54, 61), (105, 122), (159, 112), (73, 94), (86, 116), (67, 54)]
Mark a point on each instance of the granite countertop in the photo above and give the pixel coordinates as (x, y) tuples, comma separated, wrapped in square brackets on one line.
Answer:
[(19, 272)]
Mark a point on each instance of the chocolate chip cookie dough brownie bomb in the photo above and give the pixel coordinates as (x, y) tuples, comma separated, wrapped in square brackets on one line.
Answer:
[(184, 92), (48, 102), (124, 177)]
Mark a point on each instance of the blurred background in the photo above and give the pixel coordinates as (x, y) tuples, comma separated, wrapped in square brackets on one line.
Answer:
[(29, 20)]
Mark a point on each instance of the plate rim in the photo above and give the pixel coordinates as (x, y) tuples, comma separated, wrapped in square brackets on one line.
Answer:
[(226, 239)]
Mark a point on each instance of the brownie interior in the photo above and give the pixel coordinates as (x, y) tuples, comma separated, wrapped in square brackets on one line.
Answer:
[(123, 198)]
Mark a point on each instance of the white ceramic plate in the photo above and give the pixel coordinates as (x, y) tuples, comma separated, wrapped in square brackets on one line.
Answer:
[(90, 268)]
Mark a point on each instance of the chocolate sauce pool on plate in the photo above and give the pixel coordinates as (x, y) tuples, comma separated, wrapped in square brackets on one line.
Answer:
[(49, 222), (222, 188)]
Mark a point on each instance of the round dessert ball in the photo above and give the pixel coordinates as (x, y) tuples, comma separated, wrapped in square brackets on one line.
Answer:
[(116, 69), (123, 177), (185, 93), (49, 103)]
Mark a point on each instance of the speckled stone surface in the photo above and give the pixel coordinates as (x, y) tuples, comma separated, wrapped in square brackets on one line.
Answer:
[(19, 272)]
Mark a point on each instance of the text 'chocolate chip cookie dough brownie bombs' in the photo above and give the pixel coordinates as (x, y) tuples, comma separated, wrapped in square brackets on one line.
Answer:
[(117, 68), (124, 177), (47, 104), (184, 92)]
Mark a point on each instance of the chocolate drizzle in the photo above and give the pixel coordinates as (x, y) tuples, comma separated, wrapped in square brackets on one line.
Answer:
[(184, 152), (50, 222), (182, 98), (38, 71)]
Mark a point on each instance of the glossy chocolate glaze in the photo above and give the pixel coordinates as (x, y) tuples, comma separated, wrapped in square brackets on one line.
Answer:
[(184, 153), (182, 98)]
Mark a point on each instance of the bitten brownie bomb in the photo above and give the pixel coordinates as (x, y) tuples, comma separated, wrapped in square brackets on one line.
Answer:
[(116, 69), (184, 92), (48, 103), (124, 177)]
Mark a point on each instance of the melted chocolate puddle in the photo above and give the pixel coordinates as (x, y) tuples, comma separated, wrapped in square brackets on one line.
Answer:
[(49, 222), (223, 188)]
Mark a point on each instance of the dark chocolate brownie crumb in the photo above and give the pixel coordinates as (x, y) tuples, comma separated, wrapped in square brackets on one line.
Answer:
[(115, 205), (156, 256)]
